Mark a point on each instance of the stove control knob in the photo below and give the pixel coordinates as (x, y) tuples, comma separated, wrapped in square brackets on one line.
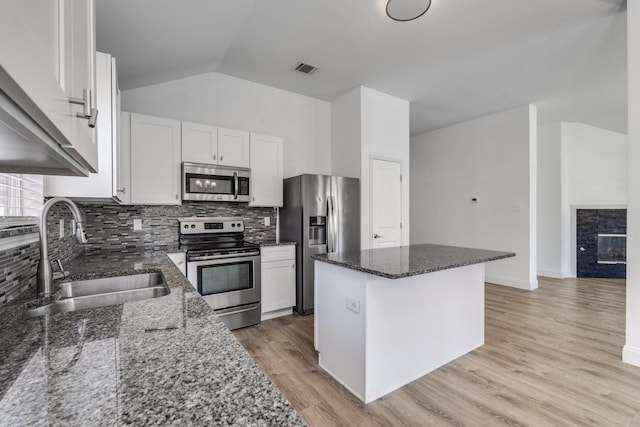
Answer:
[(186, 226), (193, 226), (238, 224), (233, 225)]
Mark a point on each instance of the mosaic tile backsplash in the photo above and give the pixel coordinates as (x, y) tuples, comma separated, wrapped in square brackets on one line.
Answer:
[(18, 263), (110, 227)]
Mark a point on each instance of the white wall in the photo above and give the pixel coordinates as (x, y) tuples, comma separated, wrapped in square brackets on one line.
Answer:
[(549, 200), (631, 351), (385, 135), (594, 173), (346, 134), (369, 124), (220, 100), (492, 158)]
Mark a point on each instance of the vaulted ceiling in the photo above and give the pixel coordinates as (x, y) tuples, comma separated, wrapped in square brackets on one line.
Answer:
[(462, 59)]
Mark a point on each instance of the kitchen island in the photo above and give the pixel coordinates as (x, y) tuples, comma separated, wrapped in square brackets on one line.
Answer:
[(161, 361), (385, 317)]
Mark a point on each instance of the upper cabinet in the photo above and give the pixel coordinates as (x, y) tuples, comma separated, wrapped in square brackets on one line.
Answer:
[(217, 146), (199, 143), (104, 184), (266, 170), (155, 160), (47, 86), (233, 148)]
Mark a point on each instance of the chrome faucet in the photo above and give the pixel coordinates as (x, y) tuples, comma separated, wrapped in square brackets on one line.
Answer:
[(45, 272)]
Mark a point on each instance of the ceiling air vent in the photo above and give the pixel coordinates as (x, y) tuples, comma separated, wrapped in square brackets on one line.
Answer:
[(305, 68)]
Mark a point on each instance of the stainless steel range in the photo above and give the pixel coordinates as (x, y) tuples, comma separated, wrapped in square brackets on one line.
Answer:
[(223, 268)]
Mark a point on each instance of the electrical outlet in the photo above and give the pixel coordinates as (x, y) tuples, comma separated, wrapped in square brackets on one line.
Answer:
[(137, 266), (61, 228), (137, 224), (353, 304), (267, 220)]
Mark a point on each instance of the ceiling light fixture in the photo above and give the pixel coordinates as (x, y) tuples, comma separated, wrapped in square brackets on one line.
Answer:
[(407, 10)]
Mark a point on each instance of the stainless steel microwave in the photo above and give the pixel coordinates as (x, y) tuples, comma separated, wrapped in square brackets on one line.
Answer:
[(215, 183)]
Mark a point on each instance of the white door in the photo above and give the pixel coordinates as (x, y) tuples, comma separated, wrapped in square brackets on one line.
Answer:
[(386, 203)]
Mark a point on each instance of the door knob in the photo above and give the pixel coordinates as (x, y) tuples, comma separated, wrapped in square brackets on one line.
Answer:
[(377, 236)]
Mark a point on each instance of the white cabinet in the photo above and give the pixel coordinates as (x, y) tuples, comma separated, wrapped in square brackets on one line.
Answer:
[(180, 261), (104, 184), (266, 170), (216, 146), (278, 280), (47, 58), (155, 160), (233, 148), (199, 143)]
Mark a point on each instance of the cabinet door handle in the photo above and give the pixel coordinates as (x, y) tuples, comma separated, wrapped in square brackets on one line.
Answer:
[(221, 158), (377, 236), (293, 266), (177, 197), (122, 190), (87, 112), (214, 157)]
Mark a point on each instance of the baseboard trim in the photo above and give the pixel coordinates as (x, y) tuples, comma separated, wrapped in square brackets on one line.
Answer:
[(631, 355), (512, 283), (276, 313), (554, 274)]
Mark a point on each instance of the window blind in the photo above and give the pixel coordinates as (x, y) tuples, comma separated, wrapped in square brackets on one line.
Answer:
[(20, 198)]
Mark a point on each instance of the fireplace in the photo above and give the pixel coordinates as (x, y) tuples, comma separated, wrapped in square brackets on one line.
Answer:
[(612, 248), (601, 242)]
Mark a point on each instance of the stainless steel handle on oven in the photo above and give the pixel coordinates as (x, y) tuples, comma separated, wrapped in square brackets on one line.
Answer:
[(244, 310), (235, 183), (212, 257)]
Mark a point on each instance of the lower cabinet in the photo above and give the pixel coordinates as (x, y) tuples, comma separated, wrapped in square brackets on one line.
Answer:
[(278, 283)]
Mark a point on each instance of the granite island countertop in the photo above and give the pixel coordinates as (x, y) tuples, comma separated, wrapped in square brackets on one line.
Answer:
[(162, 361), (412, 260)]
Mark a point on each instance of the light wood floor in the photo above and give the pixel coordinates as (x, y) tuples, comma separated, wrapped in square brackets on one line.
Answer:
[(551, 357)]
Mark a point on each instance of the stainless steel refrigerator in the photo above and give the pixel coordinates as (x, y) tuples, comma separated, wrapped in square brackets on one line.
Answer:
[(321, 214)]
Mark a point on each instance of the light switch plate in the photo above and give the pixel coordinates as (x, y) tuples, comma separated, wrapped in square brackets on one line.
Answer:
[(137, 224), (267, 220), (61, 228)]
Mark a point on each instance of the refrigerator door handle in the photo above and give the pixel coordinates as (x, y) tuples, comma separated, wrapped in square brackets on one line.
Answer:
[(330, 225), (334, 228)]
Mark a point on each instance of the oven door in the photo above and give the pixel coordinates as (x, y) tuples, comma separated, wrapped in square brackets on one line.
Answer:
[(227, 281)]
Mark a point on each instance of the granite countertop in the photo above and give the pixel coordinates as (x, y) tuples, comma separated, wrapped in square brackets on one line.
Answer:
[(412, 260), (162, 361)]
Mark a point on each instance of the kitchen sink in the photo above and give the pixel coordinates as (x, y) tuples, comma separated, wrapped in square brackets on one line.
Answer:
[(83, 288), (93, 293)]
